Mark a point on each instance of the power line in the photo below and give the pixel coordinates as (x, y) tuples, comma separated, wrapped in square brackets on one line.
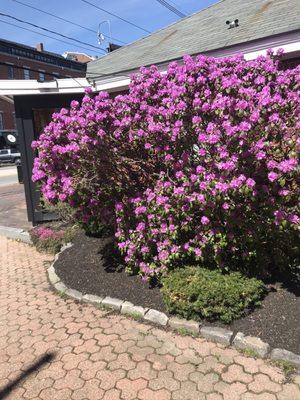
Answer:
[(174, 4), (116, 16), (61, 19), (171, 8), (49, 30), (42, 34)]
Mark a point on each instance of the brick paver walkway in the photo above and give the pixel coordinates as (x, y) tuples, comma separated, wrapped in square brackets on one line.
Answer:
[(98, 355)]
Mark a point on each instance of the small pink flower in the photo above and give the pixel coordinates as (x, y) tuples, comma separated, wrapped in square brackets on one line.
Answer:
[(261, 155), (294, 219), (272, 176), (141, 227), (198, 252), (163, 255), (204, 220), (250, 182), (140, 210), (225, 206), (119, 206)]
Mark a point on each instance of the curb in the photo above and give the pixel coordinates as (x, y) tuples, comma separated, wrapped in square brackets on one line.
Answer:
[(215, 334), (15, 234)]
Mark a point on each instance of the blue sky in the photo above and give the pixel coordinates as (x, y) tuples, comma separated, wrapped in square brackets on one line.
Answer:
[(148, 14)]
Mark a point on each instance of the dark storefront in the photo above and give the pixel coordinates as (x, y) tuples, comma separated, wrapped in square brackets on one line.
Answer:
[(33, 113)]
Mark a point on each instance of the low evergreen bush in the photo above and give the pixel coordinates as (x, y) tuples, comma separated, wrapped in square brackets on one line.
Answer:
[(199, 293)]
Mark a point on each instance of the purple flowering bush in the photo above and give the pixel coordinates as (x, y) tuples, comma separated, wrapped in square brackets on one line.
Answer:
[(198, 164)]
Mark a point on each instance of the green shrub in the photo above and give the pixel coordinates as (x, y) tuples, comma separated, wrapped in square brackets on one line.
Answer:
[(196, 293), (69, 233)]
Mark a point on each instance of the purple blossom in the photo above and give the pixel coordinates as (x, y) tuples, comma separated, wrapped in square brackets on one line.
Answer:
[(250, 182), (272, 176), (204, 220)]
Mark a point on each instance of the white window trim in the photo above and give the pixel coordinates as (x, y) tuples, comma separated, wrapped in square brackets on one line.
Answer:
[(11, 65), (26, 68), (41, 71), (1, 119)]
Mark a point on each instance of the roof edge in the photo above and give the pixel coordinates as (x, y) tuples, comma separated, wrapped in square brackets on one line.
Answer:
[(273, 41)]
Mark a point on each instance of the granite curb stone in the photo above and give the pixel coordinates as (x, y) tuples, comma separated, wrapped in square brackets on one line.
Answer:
[(180, 323), (243, 342), (285, 355), (74, 293), (156, 317), (53, 277), (60, 287), (113, 303), (91, 298), (130, 309), (216, 334), (15, 234)]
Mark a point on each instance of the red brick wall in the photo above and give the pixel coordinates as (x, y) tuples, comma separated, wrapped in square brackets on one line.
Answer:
[(6, 108), (34, 65)]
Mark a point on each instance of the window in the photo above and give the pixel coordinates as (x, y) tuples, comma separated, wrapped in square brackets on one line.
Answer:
[(26, 74), (1, 120), (10, 72), (41, 76), (14, 119), (3, 151), (14, 151)]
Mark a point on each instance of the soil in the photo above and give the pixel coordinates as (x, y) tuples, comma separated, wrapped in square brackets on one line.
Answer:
[(91, 266)]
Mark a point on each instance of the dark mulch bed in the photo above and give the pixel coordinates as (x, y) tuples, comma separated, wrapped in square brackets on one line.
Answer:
[(92, 267)]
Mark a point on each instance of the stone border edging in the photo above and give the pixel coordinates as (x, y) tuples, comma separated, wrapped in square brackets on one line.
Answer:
[(212, 333), (15, 233)]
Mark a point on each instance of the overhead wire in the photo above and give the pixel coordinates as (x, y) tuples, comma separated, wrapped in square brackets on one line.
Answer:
[(171, 8), (50, 31), (62, 19), (42, 34), (115, 15)]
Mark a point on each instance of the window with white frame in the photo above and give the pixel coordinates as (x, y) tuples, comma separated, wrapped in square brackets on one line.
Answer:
[(1, 120), (14, 119), (41, 76), (10, 72), (26, 73)]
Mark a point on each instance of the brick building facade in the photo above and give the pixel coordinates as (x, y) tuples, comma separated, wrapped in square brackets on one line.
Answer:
[(18, 61)]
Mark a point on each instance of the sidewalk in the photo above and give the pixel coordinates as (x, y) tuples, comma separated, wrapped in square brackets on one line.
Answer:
[(8, 175), (97, 355), (13, 211)]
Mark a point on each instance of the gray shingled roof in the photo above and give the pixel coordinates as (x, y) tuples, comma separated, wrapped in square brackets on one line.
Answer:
[(204, 31)]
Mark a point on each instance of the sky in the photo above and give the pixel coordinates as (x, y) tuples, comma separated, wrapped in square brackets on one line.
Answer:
[(148, 14)]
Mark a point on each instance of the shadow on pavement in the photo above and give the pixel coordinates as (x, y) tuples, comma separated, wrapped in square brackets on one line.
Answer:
[(34, 367)]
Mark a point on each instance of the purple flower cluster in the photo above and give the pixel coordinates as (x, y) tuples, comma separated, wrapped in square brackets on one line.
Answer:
[(199, 163)]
